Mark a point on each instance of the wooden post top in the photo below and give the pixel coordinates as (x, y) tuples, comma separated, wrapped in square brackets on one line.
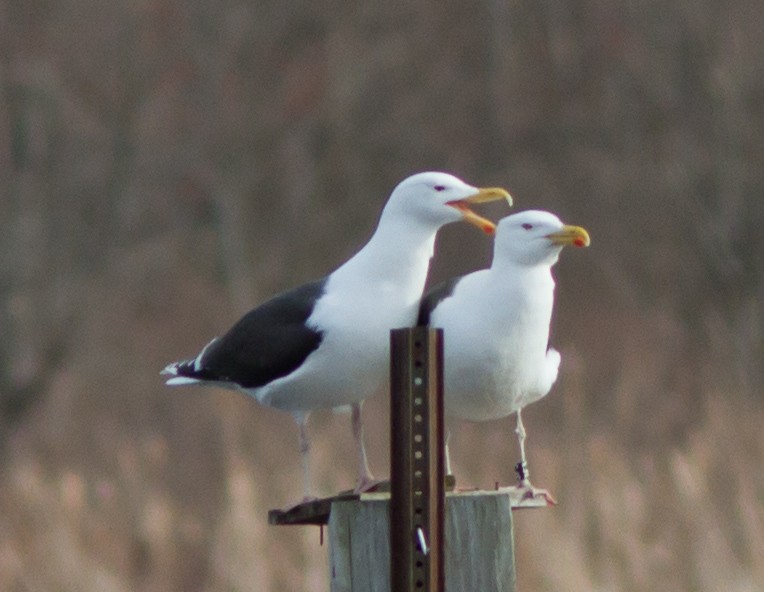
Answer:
[(316, 512)]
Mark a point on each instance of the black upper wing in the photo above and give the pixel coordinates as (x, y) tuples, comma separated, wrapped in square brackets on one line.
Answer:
[(267, 343), (434, 297)]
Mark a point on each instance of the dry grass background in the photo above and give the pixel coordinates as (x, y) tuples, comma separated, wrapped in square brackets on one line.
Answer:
[(167, 165)]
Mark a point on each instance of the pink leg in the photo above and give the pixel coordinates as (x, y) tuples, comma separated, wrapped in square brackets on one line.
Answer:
[(447, 453), (525, 488), (304, 447), (365, 478)]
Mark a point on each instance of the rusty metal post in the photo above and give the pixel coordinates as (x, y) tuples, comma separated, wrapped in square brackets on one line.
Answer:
[(417, 502)]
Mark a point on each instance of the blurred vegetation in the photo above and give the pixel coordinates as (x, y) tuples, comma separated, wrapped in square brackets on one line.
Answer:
[(166, 165)]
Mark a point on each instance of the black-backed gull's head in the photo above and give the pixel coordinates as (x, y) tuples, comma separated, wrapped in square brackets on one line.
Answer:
[(439, 198), (534, 237)]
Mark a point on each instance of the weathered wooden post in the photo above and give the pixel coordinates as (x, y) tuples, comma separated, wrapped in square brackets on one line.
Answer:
[(418, 538), (478, 555)]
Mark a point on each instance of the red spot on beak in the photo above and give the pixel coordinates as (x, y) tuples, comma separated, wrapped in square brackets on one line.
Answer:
[(490, 230), (579, 242)]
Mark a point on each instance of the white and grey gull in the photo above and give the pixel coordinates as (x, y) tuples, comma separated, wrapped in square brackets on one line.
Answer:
[(496, 323), (326, 343)]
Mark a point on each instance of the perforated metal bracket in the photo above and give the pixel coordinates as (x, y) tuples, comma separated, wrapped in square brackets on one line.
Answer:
[(417, 504)]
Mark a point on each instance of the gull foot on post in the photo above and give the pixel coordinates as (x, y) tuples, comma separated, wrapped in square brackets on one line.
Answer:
[(369, 484), (525, 493), (297, 507), (305, 500), (528, 492)]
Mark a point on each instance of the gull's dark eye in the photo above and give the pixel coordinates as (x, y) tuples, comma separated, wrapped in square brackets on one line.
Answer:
[(439, 188), (527, 226)]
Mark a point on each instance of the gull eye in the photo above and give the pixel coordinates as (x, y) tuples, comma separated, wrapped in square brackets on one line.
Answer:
[(439, 188), (527, 226)]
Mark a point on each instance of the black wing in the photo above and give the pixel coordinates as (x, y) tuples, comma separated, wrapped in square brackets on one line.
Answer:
[(434, 297), (267, 343)]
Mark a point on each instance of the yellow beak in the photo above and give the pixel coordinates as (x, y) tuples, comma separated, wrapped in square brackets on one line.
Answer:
[(483, 195), (570, 235)]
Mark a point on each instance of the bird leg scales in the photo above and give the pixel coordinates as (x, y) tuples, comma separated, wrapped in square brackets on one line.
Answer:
[(447, 453), (522, 467), (304, 446), (366, 480), (524, 487)]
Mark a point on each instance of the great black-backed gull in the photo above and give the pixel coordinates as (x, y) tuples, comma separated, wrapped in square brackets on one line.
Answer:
[(326, 343)]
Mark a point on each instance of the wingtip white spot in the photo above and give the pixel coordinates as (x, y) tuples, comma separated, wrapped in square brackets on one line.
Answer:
[(171, 369), (182, 380)]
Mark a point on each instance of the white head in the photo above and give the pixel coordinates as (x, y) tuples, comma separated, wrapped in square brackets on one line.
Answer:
[(535, 237), (434, 199)]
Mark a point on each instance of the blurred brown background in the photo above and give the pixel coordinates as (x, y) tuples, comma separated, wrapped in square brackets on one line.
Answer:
[(166, 165)]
